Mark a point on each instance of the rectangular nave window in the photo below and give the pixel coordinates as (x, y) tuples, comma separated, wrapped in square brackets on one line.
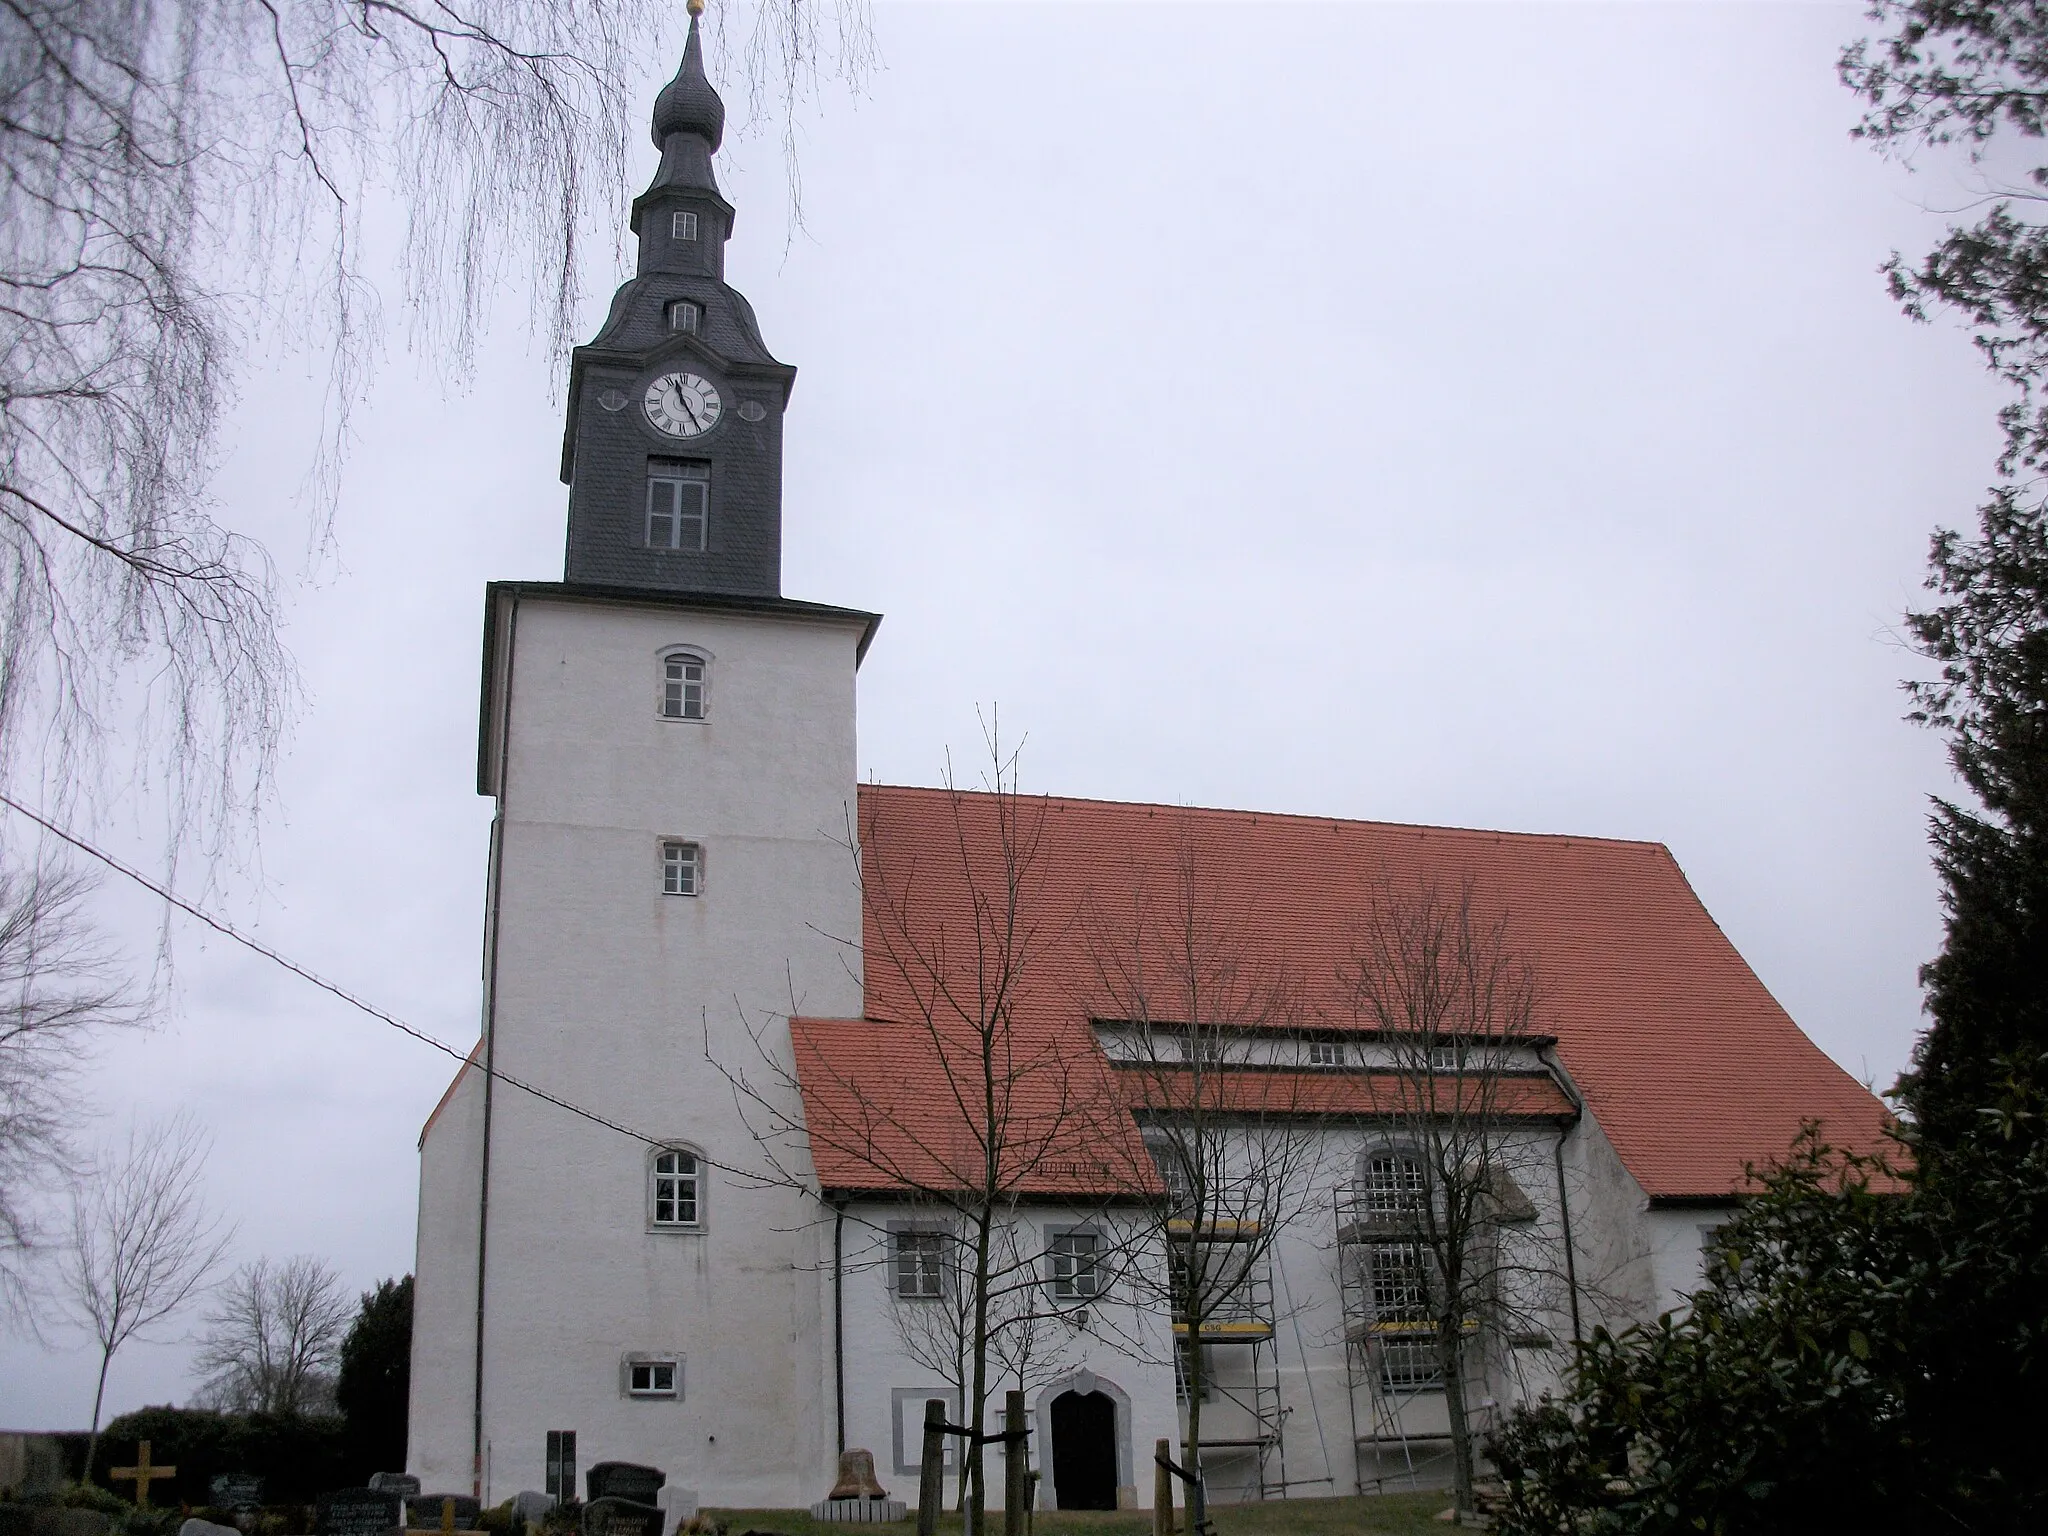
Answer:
[(919, 1264), (1074, 1257)]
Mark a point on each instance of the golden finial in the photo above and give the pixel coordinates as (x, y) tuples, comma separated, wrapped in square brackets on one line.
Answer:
[(696, 7)]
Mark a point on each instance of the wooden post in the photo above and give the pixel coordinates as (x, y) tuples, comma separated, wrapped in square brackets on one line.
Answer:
[(1016, 1466), (931, 1468), (1162, 1489), (447, 1517)]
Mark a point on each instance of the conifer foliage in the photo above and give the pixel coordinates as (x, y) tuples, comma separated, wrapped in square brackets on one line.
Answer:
[(1868, 1352)]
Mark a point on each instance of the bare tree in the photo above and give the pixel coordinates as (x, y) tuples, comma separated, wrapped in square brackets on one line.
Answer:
[(1205, 1034), (1454, 1259), (60, 988), (143, 1244), (183, 179), (273, 1338), (1000, 1107)]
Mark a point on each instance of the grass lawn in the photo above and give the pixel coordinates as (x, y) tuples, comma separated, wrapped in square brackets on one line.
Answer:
[(1412, 1513)]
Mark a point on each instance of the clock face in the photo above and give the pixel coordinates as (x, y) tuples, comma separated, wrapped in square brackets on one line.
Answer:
[(683, 404)]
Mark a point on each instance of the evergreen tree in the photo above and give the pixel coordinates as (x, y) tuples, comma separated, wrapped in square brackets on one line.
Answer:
[(376, 1378), (1950, 73)]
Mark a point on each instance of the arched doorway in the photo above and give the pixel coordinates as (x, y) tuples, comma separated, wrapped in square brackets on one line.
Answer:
[(1084, 1450)]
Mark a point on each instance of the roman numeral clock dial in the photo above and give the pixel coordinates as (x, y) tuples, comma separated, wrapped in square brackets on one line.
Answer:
[(683, 404)]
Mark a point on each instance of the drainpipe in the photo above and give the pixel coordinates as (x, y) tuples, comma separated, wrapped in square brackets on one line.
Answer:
[(839, 1320), (1564, 1204), (483, 1199)]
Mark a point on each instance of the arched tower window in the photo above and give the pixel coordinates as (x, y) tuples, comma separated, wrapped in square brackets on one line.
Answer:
[(676, 1188), (682, 686)]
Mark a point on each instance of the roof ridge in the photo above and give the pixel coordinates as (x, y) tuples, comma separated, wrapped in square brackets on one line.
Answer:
[(1475, 833)]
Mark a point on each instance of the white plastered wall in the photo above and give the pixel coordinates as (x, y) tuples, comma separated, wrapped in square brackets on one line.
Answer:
[(629, 1002)]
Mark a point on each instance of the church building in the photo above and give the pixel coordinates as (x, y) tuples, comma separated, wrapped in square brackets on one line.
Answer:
[(687, 1203)]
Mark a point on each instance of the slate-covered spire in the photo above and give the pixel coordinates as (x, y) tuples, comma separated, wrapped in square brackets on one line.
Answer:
[(689, 122)]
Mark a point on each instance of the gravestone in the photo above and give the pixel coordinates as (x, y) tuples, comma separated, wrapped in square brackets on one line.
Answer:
[(404, 1484), (206, 1528), (621, 1517), (428, 1512), (359, 1512), (678, 1504), (625, 1480), (529, 1508), (234, 1491)]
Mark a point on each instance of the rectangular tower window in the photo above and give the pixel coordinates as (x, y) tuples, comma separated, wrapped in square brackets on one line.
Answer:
[(682, 226), (682, 869), (678, 504), (562, 1465), (683, 316)]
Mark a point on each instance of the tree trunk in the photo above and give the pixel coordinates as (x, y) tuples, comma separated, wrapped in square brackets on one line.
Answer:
[(1191, 1311), (1451, 1358), (92, 1444)]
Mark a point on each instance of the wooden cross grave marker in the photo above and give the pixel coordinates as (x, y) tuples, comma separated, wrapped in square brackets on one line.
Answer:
[(142, 1474)]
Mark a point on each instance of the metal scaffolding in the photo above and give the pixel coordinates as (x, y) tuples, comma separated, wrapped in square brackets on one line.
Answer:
[(1245, 1323)]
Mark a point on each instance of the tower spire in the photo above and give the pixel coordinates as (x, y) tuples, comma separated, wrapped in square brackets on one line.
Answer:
[(689, 107)]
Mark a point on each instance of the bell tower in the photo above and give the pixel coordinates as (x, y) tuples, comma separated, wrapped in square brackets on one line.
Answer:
[(673, 451)]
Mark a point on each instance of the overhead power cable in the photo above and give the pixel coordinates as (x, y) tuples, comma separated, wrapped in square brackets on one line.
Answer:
[(228, 930)]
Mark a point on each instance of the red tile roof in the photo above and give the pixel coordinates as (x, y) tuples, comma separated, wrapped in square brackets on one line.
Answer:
[(1683, 1057)]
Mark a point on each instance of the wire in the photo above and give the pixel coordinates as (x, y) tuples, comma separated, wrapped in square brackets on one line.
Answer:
[(228, 930)]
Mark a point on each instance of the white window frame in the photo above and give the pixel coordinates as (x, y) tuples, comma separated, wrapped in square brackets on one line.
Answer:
[(679, 507), (677, 685), (673, 1185), (918, 1255), (682, 867), (1325, 1053), (685, 317), (641, 1377), (682, 225), (1071, 1273)]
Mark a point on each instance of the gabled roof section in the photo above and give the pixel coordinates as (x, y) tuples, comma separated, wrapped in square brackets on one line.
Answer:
[(1679, 1051)]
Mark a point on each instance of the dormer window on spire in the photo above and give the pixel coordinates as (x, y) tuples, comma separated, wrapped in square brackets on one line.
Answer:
[(682, 226), (684, 317)]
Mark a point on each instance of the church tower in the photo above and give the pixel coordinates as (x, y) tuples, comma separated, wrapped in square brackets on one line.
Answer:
[(670, 746), (673, 453)]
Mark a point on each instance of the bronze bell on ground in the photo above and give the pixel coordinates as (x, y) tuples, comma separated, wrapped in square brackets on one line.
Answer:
[(857, 1477)]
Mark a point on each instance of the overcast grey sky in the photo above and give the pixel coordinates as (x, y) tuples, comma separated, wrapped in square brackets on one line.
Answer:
[(1488, 416)]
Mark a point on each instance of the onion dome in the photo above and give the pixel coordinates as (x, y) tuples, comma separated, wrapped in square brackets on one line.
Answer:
[(688, 104)]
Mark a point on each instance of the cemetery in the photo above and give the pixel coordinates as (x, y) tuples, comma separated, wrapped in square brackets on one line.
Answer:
[(37, 1498)]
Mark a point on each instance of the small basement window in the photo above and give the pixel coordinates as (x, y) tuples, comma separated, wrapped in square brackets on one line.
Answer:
[(682, 869), (682, 226), (651, 1378)]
